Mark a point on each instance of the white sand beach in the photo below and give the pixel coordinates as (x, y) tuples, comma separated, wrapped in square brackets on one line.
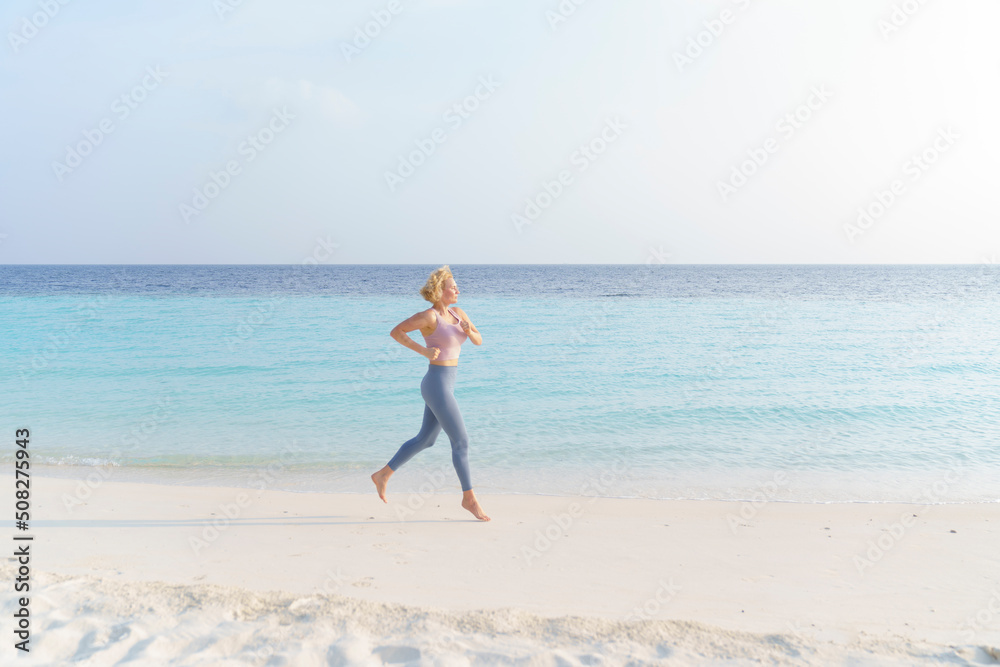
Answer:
[(137, 572)]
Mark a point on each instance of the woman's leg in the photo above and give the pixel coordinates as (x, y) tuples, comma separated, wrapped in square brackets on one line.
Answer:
[(437, 390), (441, 411), (429, 430), (428, 434), (439, 395)]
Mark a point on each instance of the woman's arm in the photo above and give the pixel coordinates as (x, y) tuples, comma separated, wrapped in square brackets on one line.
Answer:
[(469, 328), (421, 320)]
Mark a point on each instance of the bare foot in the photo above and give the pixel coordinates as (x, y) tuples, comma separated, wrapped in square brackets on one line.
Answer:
[(381, 478), (470, 503)]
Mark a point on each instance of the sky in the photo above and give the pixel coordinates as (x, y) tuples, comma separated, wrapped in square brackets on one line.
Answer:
[(476, 132)]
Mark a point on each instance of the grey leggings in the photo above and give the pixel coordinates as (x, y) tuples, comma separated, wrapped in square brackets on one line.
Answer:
[(440, 410)]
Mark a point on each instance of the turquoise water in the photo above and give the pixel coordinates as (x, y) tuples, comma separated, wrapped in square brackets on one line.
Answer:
[(807, 383)]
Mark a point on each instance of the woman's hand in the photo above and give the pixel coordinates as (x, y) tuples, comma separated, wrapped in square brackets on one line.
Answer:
[(431, 352), (470, 331)]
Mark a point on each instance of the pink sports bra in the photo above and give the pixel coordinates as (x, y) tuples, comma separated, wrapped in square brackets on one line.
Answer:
[(447, 337)]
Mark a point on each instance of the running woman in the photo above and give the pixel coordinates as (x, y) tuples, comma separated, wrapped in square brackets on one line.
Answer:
[(444, 330)]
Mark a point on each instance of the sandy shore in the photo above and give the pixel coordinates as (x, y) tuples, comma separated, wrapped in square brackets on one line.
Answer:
[(199, 575)]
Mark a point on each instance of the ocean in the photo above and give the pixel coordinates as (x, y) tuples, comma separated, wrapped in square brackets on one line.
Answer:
[(812, 383)]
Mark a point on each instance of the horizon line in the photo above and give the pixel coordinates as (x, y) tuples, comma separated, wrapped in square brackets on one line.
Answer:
[(517, 264)]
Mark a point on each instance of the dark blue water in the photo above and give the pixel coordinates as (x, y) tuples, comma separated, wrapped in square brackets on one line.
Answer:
[(528, 281)]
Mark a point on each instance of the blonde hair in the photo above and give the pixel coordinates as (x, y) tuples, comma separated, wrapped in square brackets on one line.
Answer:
[(431, 291)]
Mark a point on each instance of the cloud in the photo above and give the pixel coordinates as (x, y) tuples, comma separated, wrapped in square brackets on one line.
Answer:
[(332, 103), (302, 95)]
